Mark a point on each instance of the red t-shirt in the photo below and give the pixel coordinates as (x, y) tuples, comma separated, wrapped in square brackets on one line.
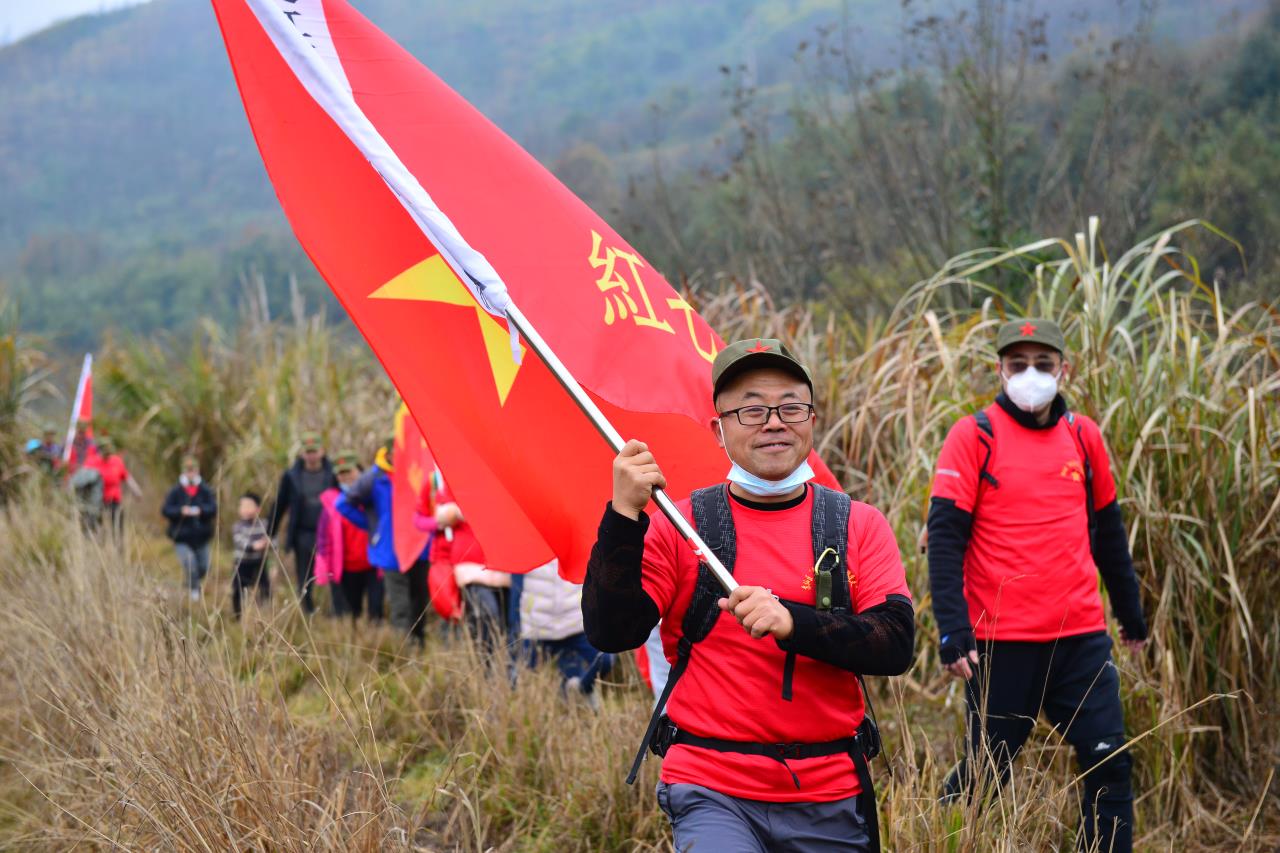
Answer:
[(1028, 572), (733, 686), (114, 473)]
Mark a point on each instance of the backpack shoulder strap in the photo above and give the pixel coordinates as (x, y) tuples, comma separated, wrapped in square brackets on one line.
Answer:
[(713, 518), (984, 422), (1076, 428), (831, 533), (987, 436), (831, 511)]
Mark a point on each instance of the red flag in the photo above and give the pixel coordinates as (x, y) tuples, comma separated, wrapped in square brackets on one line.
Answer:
[(425, 219), (412, 470), (81, 410)]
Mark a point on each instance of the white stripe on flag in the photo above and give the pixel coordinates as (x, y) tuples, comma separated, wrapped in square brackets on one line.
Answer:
[(85, 371), (299, 30)]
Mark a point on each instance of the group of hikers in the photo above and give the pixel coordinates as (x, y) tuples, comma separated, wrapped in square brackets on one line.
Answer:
[(93, 469), (333, 518), (760, 711)]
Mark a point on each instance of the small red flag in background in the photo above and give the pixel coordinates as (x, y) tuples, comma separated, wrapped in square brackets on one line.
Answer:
[(81, 410), (425, 218), (412, 468)]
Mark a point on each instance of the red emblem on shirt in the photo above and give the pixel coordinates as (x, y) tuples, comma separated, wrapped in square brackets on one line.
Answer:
[(759, 347), (1028, 329)]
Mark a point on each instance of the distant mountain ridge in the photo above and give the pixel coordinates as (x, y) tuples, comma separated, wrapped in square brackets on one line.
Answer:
[(129, 124), (123, 140)]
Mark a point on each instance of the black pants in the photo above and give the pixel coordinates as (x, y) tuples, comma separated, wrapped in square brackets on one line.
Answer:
[(407, 599), (486, 616), (249, 573), (1074, 681), (356, 586), (115, 518), (304, 559)]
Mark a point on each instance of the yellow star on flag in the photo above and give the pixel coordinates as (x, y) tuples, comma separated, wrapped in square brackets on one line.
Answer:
[(432, 280)]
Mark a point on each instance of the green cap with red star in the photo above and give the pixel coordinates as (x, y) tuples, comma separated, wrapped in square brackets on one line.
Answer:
[(755, 354), (1030, 330)]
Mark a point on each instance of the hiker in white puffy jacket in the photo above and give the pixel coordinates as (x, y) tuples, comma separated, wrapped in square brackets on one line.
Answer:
[(550, 609)]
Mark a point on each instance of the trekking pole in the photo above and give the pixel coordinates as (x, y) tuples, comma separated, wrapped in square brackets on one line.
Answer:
[(611, 435)]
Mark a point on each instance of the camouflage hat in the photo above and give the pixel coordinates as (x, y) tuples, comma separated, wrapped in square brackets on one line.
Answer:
[(1030, 330), (106, 444), (310, 440), (753, 354), (190, 460), (346, 460)]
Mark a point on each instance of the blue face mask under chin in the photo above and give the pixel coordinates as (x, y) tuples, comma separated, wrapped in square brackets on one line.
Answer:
[(759, 486)]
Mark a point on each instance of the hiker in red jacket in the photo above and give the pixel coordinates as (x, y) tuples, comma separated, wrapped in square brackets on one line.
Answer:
[(115, 479), (1022, 519)]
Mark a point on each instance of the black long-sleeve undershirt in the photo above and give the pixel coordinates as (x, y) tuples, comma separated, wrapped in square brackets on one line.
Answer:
[(618, 614), (1115, 564), (878, 641), (949, 528)]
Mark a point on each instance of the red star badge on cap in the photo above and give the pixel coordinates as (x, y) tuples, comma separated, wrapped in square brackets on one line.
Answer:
[(1028, 329), (759, 347)]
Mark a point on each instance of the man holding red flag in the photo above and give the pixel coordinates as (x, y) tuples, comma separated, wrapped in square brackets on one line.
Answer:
[(766, 744)]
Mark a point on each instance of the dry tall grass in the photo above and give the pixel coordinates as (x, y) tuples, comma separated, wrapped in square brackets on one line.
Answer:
[(132, 720)]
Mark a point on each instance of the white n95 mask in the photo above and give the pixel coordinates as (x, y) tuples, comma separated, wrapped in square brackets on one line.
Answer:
[(1031, 389)]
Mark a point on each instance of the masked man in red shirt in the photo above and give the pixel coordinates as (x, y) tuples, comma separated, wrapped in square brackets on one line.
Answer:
[(1023, 517), (765, 739)]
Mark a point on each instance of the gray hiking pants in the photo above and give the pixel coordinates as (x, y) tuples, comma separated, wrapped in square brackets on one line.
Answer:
[(195, 563), (706, 821)]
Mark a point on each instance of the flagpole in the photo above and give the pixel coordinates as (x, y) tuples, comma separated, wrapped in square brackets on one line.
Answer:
[(75, 407), (611, 435), (334, 94)]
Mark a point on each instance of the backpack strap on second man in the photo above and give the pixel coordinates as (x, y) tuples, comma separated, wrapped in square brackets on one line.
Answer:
[(983, 421), (1077, 433)]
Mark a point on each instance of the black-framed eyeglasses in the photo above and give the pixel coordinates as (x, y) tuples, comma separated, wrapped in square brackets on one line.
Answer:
[(788, 413)]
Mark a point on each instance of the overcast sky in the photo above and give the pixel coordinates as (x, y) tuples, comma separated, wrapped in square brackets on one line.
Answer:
[(23, 17)]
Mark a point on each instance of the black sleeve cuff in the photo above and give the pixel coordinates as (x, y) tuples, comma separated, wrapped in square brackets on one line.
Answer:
[(616, 528), (804, 631)]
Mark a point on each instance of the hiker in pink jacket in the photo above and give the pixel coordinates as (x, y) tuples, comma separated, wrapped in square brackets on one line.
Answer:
[(342, 548)]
